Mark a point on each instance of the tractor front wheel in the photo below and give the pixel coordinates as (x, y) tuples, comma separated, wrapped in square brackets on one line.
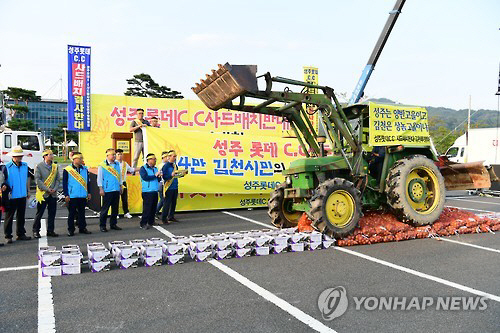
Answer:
[(280, 209), (336, 207), (415, 190)]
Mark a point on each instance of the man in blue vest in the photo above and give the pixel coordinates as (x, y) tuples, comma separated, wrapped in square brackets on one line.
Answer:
[(110, 187), (18, 188), (164, 159), (76, 189), (150, 177), (170, 173)]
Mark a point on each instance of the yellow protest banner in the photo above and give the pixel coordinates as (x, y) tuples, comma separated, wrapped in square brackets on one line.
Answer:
[(225, 170), (197, 200), (225, 163), (115, 113), (398, 125)]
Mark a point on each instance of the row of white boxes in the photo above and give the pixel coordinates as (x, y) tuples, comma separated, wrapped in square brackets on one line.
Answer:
[(147, 252), (66, 261), (254, 242), (155, 251)]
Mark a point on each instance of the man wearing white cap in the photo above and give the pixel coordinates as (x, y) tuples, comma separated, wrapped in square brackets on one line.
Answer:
[(18, 187), (47, 181)]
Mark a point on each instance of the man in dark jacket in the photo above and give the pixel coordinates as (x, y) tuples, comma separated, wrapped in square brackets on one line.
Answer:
[(377, 162)]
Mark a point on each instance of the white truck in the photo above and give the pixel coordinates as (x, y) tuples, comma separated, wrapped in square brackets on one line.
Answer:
[(31, 142), (484, 145)]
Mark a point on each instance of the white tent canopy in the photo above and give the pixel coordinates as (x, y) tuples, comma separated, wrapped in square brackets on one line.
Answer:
[(72, 144), (55, 144)]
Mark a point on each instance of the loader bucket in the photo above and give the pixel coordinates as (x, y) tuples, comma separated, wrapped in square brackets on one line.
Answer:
[(225, 84), (464, 176)]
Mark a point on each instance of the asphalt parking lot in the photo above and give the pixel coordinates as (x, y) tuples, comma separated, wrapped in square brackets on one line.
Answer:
[(275, 293)]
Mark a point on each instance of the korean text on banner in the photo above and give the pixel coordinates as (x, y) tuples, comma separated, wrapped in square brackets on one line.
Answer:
[(398, 125), (225, 163), (112, 114), (78, 88)]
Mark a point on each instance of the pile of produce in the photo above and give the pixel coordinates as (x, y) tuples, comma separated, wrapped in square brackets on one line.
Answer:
[(377, 227)]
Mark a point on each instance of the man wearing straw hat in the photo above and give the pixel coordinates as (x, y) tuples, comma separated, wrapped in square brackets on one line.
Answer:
[(47, 181), (149, 180), (76, 188), (110, 182), (136, 127), (18, 187)]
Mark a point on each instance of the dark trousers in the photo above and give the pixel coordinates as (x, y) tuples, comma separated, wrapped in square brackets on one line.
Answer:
[(51, 203), (124, 196), (149, 202), (169, 203), (375, 169), (19, 206), (160, 202), (76, 207), (110, 199)]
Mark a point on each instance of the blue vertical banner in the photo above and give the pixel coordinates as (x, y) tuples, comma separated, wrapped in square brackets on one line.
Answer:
[(78, 88)]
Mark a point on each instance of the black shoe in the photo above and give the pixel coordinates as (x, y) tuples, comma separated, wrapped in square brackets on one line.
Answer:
[(9, 240), (103, 229), (115, 227), (36, 234), (147, 227), (52, 234), (85, 231), (71, 233), (166, 222), (142, 226), (23, 237), (173, 219), (1, 244)]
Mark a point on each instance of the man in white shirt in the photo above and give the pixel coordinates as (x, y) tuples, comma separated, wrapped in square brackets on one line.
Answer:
[(125, 168)]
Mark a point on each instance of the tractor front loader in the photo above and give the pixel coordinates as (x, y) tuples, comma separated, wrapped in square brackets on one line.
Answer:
[(333, 187)]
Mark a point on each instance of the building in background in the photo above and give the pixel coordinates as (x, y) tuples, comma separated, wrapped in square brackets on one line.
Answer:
[(45, 114)]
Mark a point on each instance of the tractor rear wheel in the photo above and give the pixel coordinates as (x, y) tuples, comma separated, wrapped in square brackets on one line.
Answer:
[(415, 190), (280, 209), (336, 207)]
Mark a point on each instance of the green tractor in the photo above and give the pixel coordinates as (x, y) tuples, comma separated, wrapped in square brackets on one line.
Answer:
[(334, 187)]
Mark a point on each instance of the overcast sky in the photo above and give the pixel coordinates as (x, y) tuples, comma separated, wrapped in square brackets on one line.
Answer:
[(439, 53)]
